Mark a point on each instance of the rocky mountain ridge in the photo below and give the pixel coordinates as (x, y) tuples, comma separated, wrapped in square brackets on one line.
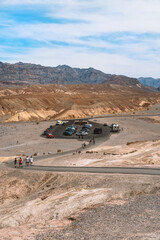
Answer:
[(149, 81), (23, 74), (26, 73)]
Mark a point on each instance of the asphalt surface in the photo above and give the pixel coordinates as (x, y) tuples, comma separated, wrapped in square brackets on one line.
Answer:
[(132, 115), (119, 170), (58, 130)]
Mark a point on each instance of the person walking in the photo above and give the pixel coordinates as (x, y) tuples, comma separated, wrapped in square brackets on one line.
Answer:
[(20, 162), (31, 160), (27, 161), (15, 162)]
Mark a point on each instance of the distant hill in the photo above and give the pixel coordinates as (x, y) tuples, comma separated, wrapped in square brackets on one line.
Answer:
[(23, 74), (153, 82), (122, 80), (26, 73), (128, 82)]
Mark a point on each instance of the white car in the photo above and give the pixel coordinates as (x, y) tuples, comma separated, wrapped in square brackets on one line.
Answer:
[(87, 125), (83, 133), (59, 122)]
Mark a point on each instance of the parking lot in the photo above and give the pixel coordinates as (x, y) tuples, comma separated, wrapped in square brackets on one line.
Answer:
[(58, 130)]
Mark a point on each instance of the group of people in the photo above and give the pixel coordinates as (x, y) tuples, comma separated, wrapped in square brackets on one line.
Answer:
[(19, 162)]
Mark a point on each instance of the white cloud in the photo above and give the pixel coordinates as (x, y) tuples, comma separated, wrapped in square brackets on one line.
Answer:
[(75, 57), (94, 18)]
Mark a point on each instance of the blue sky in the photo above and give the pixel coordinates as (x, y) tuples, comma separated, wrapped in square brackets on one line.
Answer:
[(118, 36)]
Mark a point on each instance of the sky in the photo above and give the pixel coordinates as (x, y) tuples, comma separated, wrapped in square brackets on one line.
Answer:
[(114, 36)]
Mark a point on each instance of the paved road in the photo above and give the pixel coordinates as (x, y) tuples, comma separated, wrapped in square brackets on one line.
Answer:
[(132, 115), (120, 170), (118, 115)]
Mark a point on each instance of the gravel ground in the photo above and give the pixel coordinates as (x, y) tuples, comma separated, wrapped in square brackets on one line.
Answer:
[(138, 219)]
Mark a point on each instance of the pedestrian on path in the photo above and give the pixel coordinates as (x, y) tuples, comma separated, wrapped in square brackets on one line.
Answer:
[(20, 162), (15, 162), (31, 160), (27, 161)]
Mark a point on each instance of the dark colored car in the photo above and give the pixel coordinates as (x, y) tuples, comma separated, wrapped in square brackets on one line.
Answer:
[(49, 135), (97, 130), (46, 132), (71, 128), (68, 132), (85, 129), (105, 124)]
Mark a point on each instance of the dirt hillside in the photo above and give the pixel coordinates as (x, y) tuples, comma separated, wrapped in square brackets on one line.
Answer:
[(38, 102)]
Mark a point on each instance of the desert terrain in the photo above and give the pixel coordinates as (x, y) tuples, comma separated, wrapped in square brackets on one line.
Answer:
[(49, 102), (45, 205)]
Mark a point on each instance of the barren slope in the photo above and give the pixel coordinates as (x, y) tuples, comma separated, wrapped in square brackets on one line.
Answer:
[(33, 202), (72, 101)]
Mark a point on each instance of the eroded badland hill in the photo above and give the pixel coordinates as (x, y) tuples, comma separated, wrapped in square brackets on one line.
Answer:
[(38, 102)]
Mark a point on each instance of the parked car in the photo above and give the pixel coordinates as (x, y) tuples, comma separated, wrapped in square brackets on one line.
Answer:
[(87, 125), (71, 128), (114, 127), (85, 129), (98, 130), (68, 132), (59, 122), (49, 135), (105, 124), (46, 131), (81, 133)]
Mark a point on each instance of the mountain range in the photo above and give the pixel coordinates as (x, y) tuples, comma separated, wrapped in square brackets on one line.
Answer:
[(149, 81), (32, 74), (26, 73)]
